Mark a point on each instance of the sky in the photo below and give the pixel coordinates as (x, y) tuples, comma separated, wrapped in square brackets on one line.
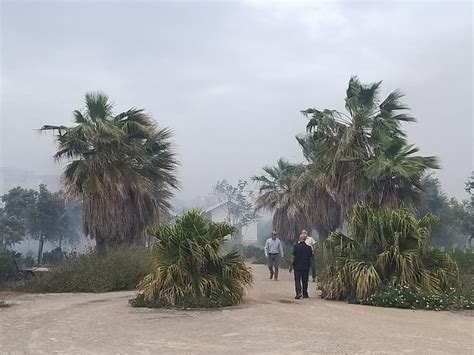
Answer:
[(230, 78)]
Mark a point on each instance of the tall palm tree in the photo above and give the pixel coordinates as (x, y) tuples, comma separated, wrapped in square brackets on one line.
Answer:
[(121, 165), (344, 149), (277, 194)]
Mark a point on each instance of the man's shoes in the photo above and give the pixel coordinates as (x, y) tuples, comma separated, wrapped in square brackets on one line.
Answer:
[(297, 297), (271, 276), (305, 296), (276, 278)]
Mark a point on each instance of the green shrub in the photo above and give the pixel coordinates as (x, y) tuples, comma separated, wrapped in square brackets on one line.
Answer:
[(404, 297), (54, 257), (191, 268), (465, 261), (214, 300), (250, 251), (387, 246), (120, 270), (7, 266)]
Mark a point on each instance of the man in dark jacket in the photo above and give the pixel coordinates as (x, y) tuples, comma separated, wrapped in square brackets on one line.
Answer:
[(301, 262)]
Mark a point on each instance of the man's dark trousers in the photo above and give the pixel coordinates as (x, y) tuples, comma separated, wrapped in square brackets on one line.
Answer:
[(301, 282)]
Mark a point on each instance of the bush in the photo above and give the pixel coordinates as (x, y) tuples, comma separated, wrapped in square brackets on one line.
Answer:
[(465, 261), (7, 266), (250, 251), (54, 257), (215, 300), (120, 270), (404, 297), (3, 304), (385, 247), (191, 268)]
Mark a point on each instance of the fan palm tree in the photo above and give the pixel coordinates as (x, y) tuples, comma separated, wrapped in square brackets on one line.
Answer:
[(277, 194), (385, 247), (191, 268), (344, 149), (121, 165), (395, 174)]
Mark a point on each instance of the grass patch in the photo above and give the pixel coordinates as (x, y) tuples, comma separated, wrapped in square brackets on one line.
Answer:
[(122, 269)]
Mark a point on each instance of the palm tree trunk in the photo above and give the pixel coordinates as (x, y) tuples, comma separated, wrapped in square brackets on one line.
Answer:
[(100, 247), (40, 250)]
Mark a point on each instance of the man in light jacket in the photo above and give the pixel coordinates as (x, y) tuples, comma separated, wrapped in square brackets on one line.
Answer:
[(313, 244), (273, 251)]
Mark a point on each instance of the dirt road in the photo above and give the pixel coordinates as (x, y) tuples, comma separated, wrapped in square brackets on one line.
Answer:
[(270, 322)]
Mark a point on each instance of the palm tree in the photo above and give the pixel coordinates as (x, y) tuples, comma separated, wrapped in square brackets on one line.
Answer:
[(387, 247), (395, 174), (346, 152), (191, 268), (121, 165), (277, 194)]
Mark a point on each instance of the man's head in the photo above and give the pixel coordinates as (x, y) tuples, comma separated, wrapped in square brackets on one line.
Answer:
[(302, 238), (274, 235), (304, 232)]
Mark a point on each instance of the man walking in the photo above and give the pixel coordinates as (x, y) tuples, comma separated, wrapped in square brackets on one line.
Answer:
[(312, 243), (273, 251), (300, 264)]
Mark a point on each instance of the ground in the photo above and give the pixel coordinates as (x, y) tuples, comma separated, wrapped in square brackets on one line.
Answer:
[(270, 321)]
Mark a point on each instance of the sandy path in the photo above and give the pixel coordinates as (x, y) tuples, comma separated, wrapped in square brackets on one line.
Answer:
[(270, 321)]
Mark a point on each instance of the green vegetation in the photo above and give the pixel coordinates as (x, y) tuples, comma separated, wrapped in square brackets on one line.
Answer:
[(359, 156), (7, 267), (456, 217), (121, 269), (405, 297), (191, 269), (42, 215), (122, 166), (387, 247), (278, 194), (361, 172), (465, 261)]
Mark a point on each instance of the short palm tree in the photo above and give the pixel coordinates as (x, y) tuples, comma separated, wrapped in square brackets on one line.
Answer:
[(191, 267), (121, 165), (385, 247)]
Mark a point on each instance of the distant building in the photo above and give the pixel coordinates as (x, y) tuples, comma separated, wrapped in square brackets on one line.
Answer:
[(220, 213)]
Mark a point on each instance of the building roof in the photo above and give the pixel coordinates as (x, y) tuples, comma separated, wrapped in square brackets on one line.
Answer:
[(220, 204)]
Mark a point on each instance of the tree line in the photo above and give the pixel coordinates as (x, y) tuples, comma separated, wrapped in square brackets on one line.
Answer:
[(361, 155), (41, 215), (122, 167)]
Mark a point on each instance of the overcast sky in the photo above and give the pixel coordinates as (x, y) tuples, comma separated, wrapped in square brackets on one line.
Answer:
[(231, 77)]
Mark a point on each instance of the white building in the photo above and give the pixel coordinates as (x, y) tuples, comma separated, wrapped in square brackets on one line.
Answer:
[(220, 213)]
